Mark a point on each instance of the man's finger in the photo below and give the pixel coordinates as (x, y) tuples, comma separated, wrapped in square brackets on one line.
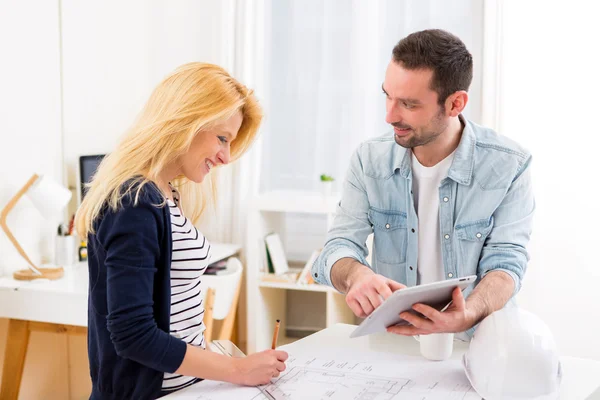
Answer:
[(407, 330), (383, 289), (375, 299), (356, 308), (458, 299), (364, 304), (416, 321), (427, 311), (395, 285)]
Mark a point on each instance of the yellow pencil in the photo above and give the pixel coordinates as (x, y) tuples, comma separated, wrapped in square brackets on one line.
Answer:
[(275, 335)]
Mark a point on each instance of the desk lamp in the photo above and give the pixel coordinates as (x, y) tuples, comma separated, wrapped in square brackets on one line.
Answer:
[(49, 198)]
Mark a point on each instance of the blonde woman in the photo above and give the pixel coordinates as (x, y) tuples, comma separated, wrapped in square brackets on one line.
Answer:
[(146, 258)]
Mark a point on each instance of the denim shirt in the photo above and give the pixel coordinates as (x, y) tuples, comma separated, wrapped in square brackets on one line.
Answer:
[(486, 210)]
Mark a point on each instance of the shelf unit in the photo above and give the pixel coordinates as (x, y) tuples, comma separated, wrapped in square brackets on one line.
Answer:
[(267, 300)]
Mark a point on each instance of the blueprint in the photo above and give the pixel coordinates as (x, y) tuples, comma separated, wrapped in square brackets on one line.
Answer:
[(331, 379), (337, 376)]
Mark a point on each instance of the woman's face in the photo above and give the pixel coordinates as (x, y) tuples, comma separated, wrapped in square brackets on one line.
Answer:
[(210, 148)]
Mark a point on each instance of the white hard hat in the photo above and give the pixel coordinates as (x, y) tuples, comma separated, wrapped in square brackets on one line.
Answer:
[(513, 356)]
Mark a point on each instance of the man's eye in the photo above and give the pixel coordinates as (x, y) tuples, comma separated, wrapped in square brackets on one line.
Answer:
[(408, 106), (223, 139)]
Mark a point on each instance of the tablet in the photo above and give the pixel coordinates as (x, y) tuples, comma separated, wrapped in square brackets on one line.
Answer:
[(435, 294)]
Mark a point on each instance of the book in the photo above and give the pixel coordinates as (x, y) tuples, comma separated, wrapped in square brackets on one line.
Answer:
[(268, 261), (276, 254), (305, 276), (288, 277), (216, 267)]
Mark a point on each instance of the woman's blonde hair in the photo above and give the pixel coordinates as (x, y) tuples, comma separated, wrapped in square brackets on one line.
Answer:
[(193, 98)]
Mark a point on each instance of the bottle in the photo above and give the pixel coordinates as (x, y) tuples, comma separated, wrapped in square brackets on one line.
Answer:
[(83, 251)]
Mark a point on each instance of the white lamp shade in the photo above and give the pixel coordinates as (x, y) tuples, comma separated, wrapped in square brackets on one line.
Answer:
[(48, 196)]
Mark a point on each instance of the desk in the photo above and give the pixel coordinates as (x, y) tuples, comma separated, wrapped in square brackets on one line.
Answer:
[(581, 376), (53, 306)]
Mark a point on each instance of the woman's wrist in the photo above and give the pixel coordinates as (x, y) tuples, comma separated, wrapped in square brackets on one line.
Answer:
[(236, 374)]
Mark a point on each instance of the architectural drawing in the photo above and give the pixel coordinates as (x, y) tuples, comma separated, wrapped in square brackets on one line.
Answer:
[(331, 380), (349, 377)]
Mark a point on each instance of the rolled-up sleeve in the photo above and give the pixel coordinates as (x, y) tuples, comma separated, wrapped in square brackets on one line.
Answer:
[(505, 248), (350, 228), (130, 238)]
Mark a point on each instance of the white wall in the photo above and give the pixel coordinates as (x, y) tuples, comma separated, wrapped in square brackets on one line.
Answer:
[(115, 53), (31, 141), (30, 127), (550, 102)]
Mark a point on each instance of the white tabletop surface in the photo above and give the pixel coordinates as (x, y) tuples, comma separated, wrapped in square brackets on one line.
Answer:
[(581, 377), (64, 300)]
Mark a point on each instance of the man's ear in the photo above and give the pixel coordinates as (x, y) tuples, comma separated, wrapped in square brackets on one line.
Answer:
[(456, 103)]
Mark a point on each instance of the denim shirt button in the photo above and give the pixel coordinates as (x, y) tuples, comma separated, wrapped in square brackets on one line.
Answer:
[(450, 275), (387, 226), (478, 235), (446, 236), (446, 199)]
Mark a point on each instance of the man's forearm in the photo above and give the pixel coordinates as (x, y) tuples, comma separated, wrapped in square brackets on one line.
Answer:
[(344, 270), (491, 294)]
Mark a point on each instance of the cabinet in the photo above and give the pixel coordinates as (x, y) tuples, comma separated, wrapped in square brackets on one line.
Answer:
[(269, 301)]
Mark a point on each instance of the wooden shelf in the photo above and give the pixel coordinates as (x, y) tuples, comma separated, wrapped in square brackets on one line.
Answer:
[(296, 202), (295, 286), (272, 297)]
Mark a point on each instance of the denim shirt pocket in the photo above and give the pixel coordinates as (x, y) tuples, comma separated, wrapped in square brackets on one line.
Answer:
[(390, 235), (472, 236)]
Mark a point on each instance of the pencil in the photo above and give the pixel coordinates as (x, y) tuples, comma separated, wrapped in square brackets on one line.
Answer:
[(275, 334), (71, 223)]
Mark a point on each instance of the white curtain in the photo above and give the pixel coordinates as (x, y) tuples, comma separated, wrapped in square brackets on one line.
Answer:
[(243, 37), (243, 31), (325, 62)]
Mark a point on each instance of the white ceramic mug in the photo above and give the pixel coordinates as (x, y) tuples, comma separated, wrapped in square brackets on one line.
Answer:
[(65, 251), (437, 346)]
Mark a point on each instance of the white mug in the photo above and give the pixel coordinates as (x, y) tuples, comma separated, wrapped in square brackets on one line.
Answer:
[(65, 251), (436, 346)]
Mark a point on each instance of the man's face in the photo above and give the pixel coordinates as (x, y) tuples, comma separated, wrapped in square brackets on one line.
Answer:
[(412, 106)]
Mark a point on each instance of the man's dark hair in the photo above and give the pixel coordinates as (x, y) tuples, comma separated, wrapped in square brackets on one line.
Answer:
[(442, 52)]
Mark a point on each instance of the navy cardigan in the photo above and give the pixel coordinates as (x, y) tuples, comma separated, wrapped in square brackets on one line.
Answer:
[(129, 300)]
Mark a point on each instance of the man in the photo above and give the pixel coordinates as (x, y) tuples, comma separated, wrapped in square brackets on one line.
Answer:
[(444, 197)]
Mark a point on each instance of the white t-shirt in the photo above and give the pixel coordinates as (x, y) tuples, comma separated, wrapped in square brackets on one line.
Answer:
[(425, 186)]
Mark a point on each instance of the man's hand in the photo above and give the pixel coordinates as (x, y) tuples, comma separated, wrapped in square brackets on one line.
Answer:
[(456, 318), (367, 290)]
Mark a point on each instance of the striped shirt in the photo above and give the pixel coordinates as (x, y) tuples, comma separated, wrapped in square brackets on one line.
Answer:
[(191, 256)]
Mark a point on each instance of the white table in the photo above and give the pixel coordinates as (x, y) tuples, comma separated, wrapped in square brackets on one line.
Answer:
[(52, 306), (580, 376)]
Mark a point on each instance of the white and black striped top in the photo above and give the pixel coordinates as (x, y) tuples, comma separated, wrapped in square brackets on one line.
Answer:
[(191, 256)]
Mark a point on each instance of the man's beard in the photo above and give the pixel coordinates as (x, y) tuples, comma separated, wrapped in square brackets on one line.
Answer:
[(428, 136)]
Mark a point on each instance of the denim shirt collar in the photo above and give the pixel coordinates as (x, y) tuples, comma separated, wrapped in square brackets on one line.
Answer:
[(461, 169)]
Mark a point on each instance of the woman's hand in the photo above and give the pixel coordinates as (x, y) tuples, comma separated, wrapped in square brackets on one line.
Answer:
[(259, 368)]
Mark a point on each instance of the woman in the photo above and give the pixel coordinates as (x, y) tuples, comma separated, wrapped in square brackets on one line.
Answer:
[(146, 259)]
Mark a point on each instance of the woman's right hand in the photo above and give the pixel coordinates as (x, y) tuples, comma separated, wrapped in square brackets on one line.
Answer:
[(259, 368)]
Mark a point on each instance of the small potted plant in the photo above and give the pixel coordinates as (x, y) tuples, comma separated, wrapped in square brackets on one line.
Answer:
[(326, 185)]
